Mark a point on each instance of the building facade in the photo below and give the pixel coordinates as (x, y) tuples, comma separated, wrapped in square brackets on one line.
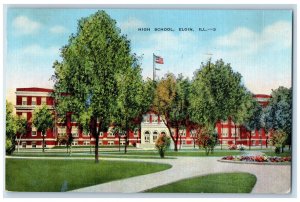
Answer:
[(151, 127)]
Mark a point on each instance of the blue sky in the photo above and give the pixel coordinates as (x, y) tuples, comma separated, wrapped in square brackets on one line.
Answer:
[(257, 43)]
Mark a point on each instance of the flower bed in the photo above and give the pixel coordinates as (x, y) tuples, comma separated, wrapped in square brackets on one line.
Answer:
[(259, 158)]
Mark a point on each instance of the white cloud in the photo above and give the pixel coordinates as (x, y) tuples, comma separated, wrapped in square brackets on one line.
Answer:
[(131, 23), (58, 29), (37, 50), (242, 40), (24, 25)]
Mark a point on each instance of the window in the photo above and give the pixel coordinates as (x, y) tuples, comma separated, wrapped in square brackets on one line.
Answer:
[(74, 143), (182, 133), (24, 115), (183, 142), (224, 142), (24, 100), (23, 144), (193, 133), (252, 133), (112, 142), (101, 134), (33, 144), (253, 142), (100, 142), (86, 142), (122, 142), (43, 100), (154, 118), (74, 131), (33, 101), (225, 132), (110, 134), (33, 131), (147, 136), (146, 118)]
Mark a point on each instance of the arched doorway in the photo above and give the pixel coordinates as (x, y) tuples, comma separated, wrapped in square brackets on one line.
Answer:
[(147, 136)]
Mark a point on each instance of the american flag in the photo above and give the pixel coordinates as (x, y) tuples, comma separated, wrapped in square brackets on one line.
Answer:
[(158, 59)]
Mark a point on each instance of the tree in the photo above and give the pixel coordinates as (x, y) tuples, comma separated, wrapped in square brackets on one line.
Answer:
[(278, 138), (43, 120), (162, 144), (22, 126), (171, 102), (216, 94), (253, 122), (130, 102), (11, 129), (206, 139), (86, 79), (278, 114)]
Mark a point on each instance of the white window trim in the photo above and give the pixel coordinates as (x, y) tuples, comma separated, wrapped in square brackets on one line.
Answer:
[(33, 99)]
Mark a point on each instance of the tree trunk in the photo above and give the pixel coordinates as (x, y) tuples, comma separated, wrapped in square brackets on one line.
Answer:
[(97, 150), (90, 143), (93, 127), (250, 141), (125, 149), (43, 146), (221, 136), (176, 139), (173, 139), (119, 143), (235, 134)]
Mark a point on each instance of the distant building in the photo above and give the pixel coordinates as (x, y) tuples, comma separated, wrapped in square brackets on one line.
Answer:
[(151, 127)]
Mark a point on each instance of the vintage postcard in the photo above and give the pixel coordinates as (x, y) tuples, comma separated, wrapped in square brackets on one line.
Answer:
[(127, 100)]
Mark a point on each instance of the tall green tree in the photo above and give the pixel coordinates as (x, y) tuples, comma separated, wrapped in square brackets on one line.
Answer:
[(278, 114), (171, 102), (10, 128), (253, 122), (43, 120), (22, 126), (130, 102), (87, 77), (216, 93)]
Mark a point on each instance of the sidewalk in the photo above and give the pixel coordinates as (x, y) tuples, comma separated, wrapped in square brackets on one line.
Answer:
[(270, 178)]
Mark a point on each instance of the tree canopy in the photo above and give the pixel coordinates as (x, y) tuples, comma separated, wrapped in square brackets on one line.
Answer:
[(11, 128), (278, 114), (86, 80), (43, 120), (216, 93)]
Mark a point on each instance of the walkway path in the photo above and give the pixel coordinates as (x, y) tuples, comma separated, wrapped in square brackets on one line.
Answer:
[(270, 178)]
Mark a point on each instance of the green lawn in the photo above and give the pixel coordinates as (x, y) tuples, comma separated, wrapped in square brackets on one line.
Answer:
[(134, 154), (63, 175), (214, 183), (284, 154)]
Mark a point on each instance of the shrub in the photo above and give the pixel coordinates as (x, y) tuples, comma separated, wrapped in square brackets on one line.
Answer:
[(241, 147), (278, 139), (232, 147), (162, 144)]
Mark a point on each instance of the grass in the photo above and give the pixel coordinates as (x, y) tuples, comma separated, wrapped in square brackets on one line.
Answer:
[(63, 155), (64, 175), (214, 183), (284, 154), (134, 154)]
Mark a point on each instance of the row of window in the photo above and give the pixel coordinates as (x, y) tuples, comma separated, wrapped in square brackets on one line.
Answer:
[(33, 100)]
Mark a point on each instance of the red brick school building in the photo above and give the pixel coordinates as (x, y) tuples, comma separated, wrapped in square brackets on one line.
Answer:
[(27, 99)]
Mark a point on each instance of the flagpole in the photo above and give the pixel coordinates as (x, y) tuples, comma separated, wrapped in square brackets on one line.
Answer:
[(153, 67)]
